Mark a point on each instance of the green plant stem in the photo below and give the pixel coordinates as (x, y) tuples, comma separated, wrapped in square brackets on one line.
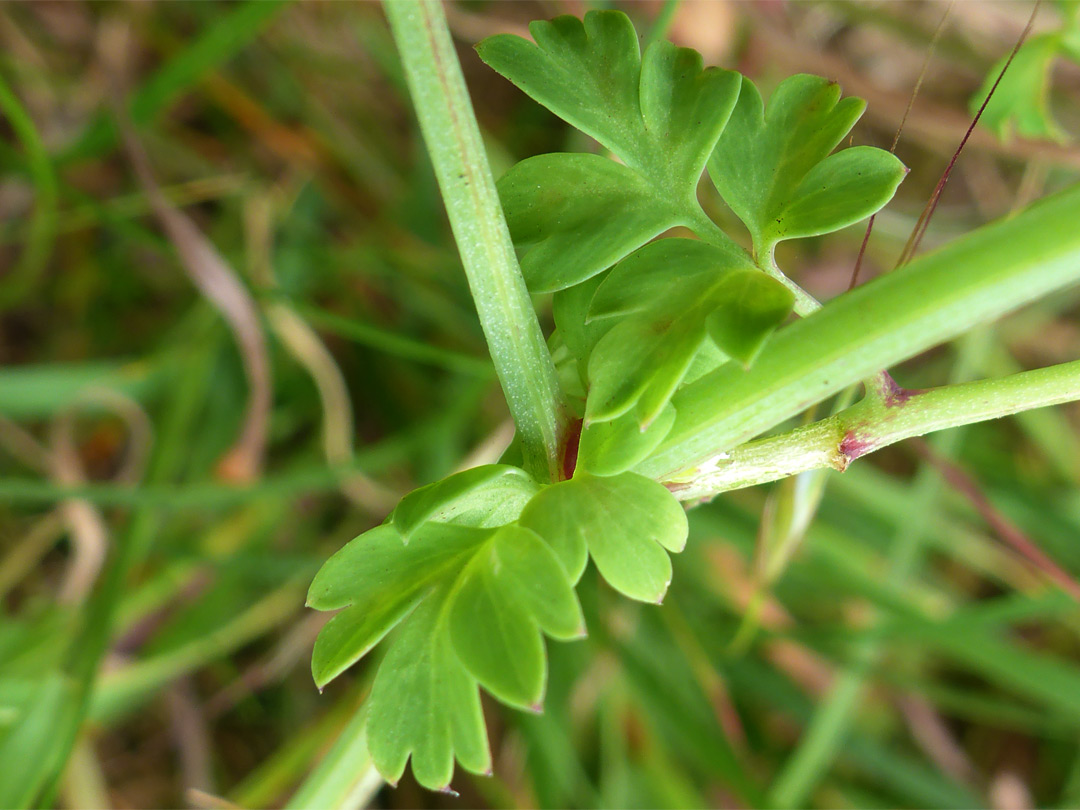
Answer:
[(805, 303), (936, 297), (518, 349), (19, 280), (872, 424)]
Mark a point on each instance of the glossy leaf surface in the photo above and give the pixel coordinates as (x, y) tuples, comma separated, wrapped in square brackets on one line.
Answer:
[(471, 603), (424, 703), (380, 580), (574, 215), (511, 589)]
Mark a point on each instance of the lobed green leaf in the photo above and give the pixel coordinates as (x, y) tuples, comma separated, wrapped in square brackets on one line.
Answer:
[(533, 573), (661, 115), (772, 167), (425, 704), (354, 632), (615, 446), (495, 638), (574, 215), (510, 590), (471, 602), (625, 522), (638, 365), (585, 71), (378, 564), (749, 307), (379, 580)]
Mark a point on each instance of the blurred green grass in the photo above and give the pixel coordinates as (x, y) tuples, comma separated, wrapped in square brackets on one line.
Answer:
[(936, 667)]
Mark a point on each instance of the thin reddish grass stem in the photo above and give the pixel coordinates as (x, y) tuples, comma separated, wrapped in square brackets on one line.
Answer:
[(1005, 529), (899, 130), (923, 222)]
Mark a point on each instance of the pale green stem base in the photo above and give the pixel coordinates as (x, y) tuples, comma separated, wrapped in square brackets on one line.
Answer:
[(805, 303)]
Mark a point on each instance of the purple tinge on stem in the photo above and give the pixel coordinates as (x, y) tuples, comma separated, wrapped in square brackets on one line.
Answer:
[(852, 446), (892, 395)]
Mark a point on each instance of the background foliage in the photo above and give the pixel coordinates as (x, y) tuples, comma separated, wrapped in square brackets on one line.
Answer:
[(939, 662)]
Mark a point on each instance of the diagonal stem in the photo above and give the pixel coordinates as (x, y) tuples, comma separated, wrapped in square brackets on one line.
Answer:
[(874, 423), (940, 295), (518, 350)]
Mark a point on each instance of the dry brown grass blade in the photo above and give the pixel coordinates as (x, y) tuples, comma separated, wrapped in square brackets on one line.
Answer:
[(86, 526), (933, 735), (211, 274), (191, 736), (304, 344), (22, 446)]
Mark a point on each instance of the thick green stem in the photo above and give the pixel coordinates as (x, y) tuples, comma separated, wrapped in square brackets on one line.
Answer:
[(873, 423), (520, 354), (935, 298)]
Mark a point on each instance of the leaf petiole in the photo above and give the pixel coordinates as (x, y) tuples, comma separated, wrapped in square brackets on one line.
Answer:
[(703, 225)]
